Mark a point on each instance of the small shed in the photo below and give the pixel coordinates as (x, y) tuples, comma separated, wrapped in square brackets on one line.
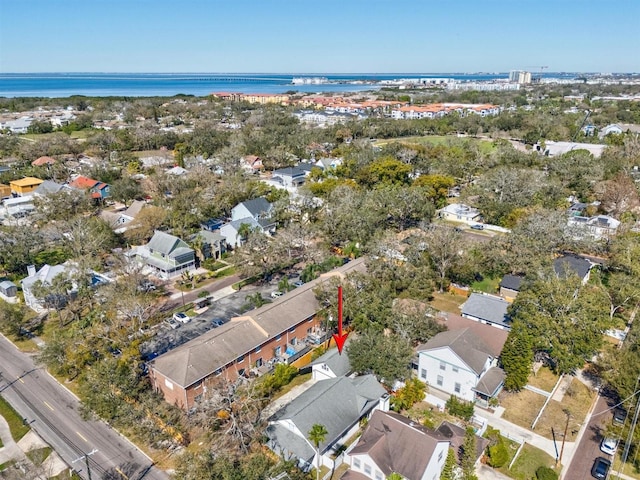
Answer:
[(8, 291)]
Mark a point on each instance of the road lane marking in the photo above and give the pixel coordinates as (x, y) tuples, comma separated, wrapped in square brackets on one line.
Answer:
[(80, 435), (48, 406)]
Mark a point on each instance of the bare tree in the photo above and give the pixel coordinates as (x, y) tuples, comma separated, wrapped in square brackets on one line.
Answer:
[(444, 247)]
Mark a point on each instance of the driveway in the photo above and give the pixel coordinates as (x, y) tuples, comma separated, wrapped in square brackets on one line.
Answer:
[(589, 447)]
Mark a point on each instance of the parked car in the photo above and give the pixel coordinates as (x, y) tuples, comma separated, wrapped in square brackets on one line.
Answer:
[(298, 283), (600, 468), (181, 317), (609, 446), (619, 416), (477, 226), (276, 294), (173, 323), (218, 322), (146, 286)]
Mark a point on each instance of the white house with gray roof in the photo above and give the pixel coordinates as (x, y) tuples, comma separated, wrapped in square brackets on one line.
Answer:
[(488, 309), (460, 363), (167, 255), (459, 212), (337, 403), (257, 208), (331, 364), (255, 213)]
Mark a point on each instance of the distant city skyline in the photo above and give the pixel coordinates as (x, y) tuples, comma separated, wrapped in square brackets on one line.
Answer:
[(312, 36)]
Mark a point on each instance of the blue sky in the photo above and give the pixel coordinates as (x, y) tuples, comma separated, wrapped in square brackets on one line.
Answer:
[(323, 36)]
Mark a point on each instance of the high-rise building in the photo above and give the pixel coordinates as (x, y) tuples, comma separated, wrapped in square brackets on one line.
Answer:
[(519, 76)]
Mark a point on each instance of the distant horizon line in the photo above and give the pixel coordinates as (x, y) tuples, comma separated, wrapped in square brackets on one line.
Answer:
[(313, 73)]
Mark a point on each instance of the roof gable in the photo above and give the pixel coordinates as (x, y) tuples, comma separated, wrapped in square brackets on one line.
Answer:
[(257, 206), (467, 346), (165, 243), (567, 265), (396, 444)]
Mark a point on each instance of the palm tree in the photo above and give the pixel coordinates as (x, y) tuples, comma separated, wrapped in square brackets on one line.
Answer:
[(284, 285), (317, 435)]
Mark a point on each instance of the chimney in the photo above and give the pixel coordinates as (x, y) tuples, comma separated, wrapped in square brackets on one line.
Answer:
[(31, 270)]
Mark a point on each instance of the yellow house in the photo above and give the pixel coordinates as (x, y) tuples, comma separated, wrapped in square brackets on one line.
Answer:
[(24, 186)]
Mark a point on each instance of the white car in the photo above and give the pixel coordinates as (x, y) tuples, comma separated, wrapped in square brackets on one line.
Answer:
[(181, 317), (173, 323), (276, 294), (609, 446)]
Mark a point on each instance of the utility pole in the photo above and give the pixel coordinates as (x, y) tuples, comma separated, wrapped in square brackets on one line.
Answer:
[(86, 460), (564, 437), (627, 445)]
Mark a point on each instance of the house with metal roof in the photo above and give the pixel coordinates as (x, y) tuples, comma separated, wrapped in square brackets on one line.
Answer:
[(460, 363), (167, 255), (8, 291), (339, 404), (488, 309), (392, 443)]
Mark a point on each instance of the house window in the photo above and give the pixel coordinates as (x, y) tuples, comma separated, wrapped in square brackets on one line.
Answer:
[(218, 372), (443, 366), (356, 462), (440, 456), (456, 388), (258, 349), (259, 362), (240, 359), (293, 341), (440, 380), (277, 351), (278, 337), (455, 369), (309, 330), (292, 329), (379, 475), (423, 373), (367, 469)]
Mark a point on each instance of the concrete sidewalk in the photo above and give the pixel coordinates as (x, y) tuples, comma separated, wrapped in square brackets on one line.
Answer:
[(279, 402), (10, 449)]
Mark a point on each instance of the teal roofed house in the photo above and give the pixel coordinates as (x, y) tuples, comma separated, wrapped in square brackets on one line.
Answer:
[(167, 255)]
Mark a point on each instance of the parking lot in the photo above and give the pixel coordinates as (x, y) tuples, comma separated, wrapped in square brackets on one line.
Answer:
[(222, 310)]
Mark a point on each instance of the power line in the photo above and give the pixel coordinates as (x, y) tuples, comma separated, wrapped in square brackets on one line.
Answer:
[(617, 404)]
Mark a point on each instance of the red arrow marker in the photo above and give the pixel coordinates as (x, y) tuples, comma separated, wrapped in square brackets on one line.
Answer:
[(340, 337)]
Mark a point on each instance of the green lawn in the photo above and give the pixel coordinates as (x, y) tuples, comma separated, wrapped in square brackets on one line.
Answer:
[(487, 285), (486, 146), (529, 460), (18, 429)]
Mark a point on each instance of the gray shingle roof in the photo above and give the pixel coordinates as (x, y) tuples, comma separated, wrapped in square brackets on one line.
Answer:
[(490, 381), (488, 308), (337, 403), (48, 187), (464, 343), (512, 282), (257, 206), (571, 264), (456, 434), (338, 364), (396, 444)]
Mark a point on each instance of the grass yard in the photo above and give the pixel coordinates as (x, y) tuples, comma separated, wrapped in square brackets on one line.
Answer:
[(544, 379), (447, 302), (529, 460), (18, 429), (298, 380), (521, 408), (577, 400), (485, 146), (487, 285)]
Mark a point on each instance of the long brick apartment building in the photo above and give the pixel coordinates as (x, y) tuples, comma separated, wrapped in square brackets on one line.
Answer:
[(276, 332)]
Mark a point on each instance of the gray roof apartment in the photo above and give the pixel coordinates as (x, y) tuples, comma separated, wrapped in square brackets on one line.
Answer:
[(487, 308), (397, 444), (203, 356), (337, 403), (465, 344)]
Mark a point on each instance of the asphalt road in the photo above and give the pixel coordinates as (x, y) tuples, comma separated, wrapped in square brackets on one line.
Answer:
[(589, 447), (52, 411)]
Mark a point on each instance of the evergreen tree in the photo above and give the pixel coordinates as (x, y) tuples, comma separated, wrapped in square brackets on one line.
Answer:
[(468, 457), (449, 469), (517, 357)]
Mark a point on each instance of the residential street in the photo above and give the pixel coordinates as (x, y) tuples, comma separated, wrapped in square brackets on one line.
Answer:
[(52, 411)]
